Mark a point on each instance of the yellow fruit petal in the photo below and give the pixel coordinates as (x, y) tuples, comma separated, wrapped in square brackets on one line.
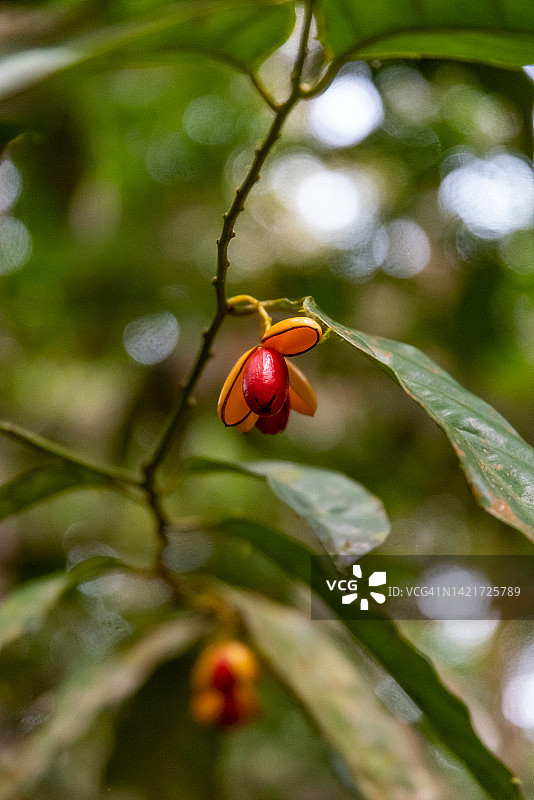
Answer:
[(301, 395), (206, 706), (232, 406), (247, 423), (293, 336)]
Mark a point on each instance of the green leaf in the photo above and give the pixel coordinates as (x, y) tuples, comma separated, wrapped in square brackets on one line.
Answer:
[(26, 608), (92, 689), (232, 560), (291, 555), (446, 714), (383, 756), (498, 463), (346, 518), (241, 33), (483, 31), (180, 759), (43, 482)]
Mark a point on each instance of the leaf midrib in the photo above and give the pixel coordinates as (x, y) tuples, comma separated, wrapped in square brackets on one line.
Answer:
[(481, 412), (445, 30)]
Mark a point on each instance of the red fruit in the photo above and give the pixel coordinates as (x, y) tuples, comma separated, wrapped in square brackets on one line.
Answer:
[(276, 423), (266, 382), (223, 681), (238, 708), (230, 713), (223, 677), (221, 662)]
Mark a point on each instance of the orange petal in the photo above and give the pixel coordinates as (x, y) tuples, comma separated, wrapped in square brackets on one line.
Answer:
[(293, 336), (301, 395), (205, 707), (232, 407), (248, 423)]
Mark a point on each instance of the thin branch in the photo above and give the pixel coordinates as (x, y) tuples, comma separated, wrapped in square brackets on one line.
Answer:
[(262, 91), (177, 419), (163, 526), (283, 304), (302, 52), (325, 80), (117, 477), (160, 517), (280, 304)]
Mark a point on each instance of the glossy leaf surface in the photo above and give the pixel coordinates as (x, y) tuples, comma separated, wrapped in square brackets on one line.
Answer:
[(446, 713), (346, 518), (238, 32), (501, 33), (383, 755), (498, 463)]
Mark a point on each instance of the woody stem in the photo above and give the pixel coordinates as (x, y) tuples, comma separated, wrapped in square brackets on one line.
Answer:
[(177, 419)]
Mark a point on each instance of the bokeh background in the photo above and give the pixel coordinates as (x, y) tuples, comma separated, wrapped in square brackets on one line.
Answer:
[(402, 199)]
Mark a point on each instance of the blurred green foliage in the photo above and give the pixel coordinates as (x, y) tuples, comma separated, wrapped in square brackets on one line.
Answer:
[(113, 182)]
